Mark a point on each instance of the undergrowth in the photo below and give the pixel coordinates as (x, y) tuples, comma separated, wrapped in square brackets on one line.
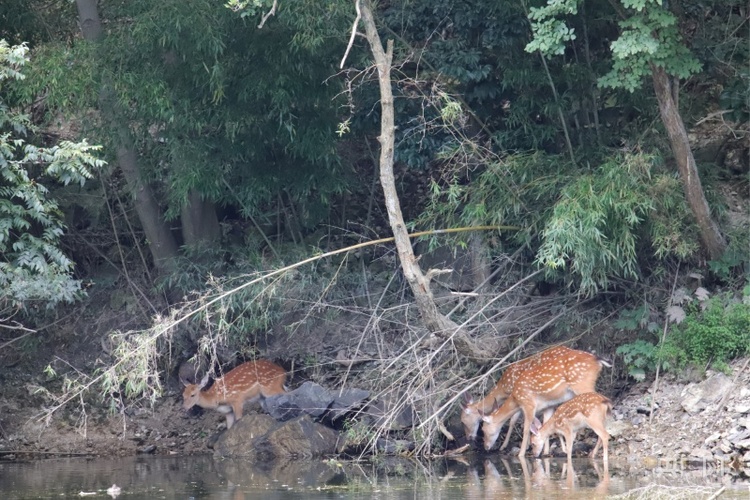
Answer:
[(704, 332)]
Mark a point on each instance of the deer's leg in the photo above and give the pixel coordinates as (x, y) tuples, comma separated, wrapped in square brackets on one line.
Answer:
[(545, 417), (230, 420), (511, 424), (528, 417)]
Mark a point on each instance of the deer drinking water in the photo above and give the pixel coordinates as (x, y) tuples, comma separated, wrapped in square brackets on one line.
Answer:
[(585, 410), (472, 411), (229, 393), (547, 379)]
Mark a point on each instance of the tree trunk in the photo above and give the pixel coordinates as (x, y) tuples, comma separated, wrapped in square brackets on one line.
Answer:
[(200, 225), (667, 93), (161, 242), (419, 283)]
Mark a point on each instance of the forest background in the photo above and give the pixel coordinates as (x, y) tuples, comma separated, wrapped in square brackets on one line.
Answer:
[(193, 180)]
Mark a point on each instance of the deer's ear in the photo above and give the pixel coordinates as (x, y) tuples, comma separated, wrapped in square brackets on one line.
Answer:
[(535, 426), (466, 400), (204, 381), (184, 382)]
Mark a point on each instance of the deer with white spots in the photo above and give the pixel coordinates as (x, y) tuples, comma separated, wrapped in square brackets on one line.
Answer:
[(472, 411), (229, 393), (585, 410), (547, 379)]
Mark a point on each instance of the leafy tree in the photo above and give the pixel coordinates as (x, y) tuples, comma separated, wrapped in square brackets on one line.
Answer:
[(650, 44), (201, 112), (33, 268)]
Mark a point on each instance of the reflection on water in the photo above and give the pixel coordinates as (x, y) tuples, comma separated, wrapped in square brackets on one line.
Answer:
[(468, 477)]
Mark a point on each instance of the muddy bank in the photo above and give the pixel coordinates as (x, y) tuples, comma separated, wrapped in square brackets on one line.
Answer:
[(693, 422)]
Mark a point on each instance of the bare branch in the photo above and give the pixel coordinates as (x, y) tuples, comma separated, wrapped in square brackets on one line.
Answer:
[(268, 14), (354, 33)]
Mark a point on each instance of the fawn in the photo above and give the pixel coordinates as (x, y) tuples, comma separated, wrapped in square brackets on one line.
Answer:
[(229, 393), (585, 410), (472, 412), (547, 380)]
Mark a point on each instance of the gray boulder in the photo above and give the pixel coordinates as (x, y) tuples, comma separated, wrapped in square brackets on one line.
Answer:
[(259, 438)]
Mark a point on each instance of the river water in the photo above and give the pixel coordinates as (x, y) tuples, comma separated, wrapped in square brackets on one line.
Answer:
[(194, 477)]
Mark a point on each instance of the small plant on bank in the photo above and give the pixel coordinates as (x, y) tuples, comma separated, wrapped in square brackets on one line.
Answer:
[(640, 357), (706, 332), (713, 332)]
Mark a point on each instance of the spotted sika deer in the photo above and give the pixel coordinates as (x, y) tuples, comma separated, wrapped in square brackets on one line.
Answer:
[(547, 380), (472, 411), (229, 393), (585, 410)]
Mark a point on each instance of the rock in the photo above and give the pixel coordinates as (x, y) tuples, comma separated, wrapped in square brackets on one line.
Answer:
[(314, 400), (701, 453), (645, 411), (261, 439), (309, 398), (725, 446), (346, 400), (697, 397), (742, 408), (638, 419), (390, 411), (738, 434), (742, 445), (712, 438), (618, 427)]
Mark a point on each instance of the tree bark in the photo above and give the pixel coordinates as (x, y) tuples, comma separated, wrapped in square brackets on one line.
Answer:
[(200, 225), (419, 283), (667, 89), (161, 242)]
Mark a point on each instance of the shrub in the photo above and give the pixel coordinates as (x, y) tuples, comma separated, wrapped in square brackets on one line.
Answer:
[(706, 332), (713, 332)]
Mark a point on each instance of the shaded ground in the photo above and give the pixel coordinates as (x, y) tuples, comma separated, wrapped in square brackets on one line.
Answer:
[(720, 431)]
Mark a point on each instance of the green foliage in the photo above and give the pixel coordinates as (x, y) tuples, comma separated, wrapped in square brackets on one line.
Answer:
[(640, 357), (705, 331), (733, 266), (714, 331), (32, 266), (593, 226), (215, 106), (649, 37), (589, 223), (551, 34)]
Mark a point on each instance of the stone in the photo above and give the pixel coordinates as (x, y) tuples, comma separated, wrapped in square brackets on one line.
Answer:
[(701, 453), (346, 400), (391, 412), (698, 397), (618, 427), (259, 438), (713, 437), (738, 434), (309, 398)]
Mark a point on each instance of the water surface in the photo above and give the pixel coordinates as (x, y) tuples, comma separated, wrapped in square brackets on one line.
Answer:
[(198, 477)]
